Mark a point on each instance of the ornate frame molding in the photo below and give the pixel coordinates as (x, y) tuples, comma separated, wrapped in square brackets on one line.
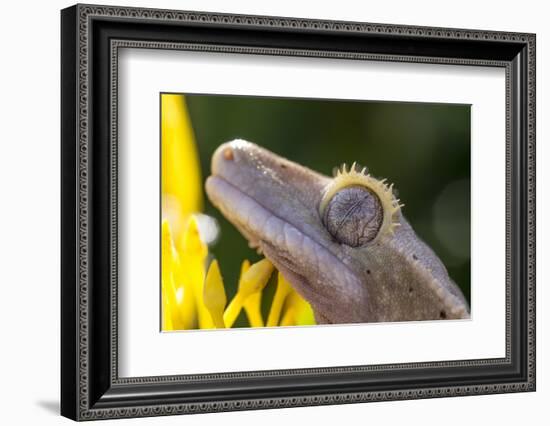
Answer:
[(112, 396)]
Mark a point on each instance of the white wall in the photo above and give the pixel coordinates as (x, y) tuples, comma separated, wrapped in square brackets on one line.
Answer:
[(29, 212)]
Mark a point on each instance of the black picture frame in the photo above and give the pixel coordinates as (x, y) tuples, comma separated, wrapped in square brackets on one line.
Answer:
[(90, 386)]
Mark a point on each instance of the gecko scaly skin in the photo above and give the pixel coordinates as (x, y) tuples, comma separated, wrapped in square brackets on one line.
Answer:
[(342, 242)]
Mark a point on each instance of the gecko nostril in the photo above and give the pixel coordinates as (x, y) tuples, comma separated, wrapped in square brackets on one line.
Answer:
[(228, 154), (442, 315)]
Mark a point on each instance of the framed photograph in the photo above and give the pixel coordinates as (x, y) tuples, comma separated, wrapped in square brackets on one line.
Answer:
[(263, 212)]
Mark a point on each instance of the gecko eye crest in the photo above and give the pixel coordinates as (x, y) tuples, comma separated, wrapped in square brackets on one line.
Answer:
[(358, 209)]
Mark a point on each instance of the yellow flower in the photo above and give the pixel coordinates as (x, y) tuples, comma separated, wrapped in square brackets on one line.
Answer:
[(181, 179), (191, 297)]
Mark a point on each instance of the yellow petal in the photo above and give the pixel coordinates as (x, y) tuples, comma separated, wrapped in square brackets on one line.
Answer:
[(253, 303), (193, 255), (253, 309), (245, 266), (253, 280), (186, 299), (169, 305), (168, 302), (214, 294), (302, 312), (283, 290), (192, 243), (177, 298), (289, 318), (181, 174)]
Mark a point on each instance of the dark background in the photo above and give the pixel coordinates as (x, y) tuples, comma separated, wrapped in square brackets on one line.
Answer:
[(424, 149)]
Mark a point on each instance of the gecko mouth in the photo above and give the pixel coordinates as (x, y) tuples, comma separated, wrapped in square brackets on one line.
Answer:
[(261, 227)]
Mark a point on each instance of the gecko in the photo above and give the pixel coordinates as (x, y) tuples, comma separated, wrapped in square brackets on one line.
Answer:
[(342, 242)]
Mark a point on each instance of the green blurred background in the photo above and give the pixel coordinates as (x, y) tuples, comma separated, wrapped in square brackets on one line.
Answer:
[(424, 149)]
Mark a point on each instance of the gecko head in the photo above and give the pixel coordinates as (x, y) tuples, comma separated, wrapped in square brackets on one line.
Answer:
[(313, 228), (341, 241)]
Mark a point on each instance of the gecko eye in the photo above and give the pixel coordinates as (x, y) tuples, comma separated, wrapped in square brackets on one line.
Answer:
[(357, 208), (354, 216)]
